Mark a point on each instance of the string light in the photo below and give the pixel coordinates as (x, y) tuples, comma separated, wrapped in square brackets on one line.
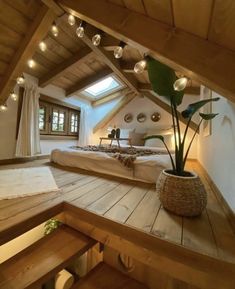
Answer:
[(3, 107), (42, 45), (54, 30), (14, 96), (140, 66), (31, 63), (71, 20), (96, 39), (81, 29), (20, 80), (180, 83), (118, 51)]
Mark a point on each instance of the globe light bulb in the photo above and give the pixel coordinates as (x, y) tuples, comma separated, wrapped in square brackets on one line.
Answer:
[(118, 52), (14, 96), (54, 30), (96, 39), (180, 83), (20, 80), (42, 45), (140, 66), (31, 63), (80, 31), (3, 107), (71, 20)]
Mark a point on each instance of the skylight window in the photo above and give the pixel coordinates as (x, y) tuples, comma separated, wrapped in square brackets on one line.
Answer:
[(103, 87)]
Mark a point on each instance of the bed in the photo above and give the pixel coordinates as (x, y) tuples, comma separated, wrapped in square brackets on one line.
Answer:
[(146, 168)]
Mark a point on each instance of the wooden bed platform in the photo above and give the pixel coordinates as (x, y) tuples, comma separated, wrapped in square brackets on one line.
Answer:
[(127, 216)]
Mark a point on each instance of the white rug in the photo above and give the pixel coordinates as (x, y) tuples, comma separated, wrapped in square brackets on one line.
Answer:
[(15, 183)]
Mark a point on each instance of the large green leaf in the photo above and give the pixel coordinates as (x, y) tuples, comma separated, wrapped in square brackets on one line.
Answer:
[(162, 79), (208, 116), (194, 107)]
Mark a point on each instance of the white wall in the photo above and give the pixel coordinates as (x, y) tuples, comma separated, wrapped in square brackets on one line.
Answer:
[(48, 145), (217, 152)]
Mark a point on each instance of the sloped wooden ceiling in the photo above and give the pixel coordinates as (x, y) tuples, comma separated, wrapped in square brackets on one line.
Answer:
[(195, 37), (69, 62)]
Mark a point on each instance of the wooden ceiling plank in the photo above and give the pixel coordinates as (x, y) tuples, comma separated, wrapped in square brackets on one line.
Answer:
[(122, 102), (82, 84), (60, 69), (13, 19), (197, 58), (222, 28), (167, 108), (110, 97), (194, 90), (196, 22), (36, 32), (135, 5), (159, 10)]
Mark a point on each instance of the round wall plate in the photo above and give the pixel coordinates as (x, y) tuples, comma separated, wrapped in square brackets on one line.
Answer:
[(128, 117), (155, 117), (141, 117)]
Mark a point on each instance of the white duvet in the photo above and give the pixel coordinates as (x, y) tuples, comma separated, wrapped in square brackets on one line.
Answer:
[(146, 168)]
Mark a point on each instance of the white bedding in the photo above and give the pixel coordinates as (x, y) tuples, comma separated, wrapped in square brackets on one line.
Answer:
[(146, 168)]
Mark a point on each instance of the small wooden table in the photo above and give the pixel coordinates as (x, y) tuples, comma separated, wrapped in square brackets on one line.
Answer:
[(115, 139)]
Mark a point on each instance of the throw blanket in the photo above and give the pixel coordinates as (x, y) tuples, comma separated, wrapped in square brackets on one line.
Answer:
[(125, 155)]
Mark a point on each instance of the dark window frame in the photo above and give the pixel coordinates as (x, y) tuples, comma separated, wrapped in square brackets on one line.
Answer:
[(68, 111)]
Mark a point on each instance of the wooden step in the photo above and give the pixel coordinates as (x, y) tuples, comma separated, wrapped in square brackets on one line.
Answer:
[(105, 277), (42, 260)]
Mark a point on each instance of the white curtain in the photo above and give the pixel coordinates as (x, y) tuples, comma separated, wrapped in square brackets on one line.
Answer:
[(85, 130), (28, 141)]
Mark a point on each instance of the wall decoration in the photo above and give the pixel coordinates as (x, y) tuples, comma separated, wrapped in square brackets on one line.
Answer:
[(155, 117), (128, 117), (206, 125), (141, 117)]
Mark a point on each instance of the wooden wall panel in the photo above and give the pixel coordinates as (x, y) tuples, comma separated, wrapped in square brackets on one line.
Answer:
[(159, 10), (222, 29), (193, 15)]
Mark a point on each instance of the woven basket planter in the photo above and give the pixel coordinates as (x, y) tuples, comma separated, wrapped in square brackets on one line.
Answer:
[(184, 196)]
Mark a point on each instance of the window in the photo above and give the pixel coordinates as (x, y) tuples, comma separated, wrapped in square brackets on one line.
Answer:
[(58, 120), (103, 87), (74, 123)]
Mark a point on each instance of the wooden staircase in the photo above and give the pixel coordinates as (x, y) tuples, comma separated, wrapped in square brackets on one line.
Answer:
[(44, 259), (105, 277)]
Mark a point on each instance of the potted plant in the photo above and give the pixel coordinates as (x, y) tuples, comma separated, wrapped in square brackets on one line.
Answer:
[(180, 191)]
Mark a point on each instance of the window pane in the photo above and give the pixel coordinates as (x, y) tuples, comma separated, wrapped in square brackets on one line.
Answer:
[(42, 112), (54, 127)]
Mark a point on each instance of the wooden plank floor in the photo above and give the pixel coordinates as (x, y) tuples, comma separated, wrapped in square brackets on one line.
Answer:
[(132, 203)]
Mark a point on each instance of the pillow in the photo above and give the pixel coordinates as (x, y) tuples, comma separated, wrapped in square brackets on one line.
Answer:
[(158, 143), (137, 139)]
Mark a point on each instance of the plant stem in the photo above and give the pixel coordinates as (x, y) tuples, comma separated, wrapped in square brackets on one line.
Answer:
[(169, 153), (190, 144)]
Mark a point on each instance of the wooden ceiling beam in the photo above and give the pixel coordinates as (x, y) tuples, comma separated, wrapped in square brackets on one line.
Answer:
[(200, 60), (167, 108), (111, 114), (108, 58), (110, 97), (37, 31), (194, 90), (84, 83), (128, 67), (79, 57)]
